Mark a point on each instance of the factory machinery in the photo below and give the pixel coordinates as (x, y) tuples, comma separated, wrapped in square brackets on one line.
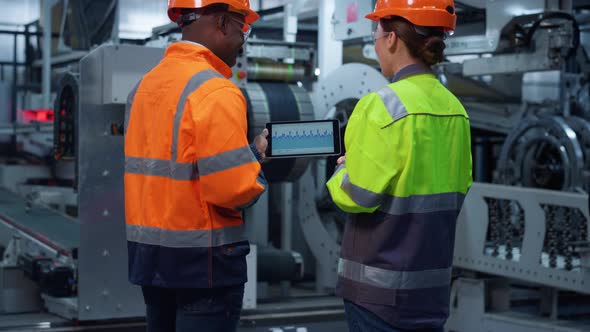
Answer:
[(529, 247), (522, 256), (62, 221), (522, 242), (71, 258)]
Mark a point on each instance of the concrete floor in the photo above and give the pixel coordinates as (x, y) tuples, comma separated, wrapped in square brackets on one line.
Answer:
[(41, 322), (329, 326), (296, 314)]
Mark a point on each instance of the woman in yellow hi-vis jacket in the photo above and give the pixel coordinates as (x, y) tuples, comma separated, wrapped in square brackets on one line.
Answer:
[(404, 178)]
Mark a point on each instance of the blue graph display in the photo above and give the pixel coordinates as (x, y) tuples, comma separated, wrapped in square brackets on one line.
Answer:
[(307, 138)]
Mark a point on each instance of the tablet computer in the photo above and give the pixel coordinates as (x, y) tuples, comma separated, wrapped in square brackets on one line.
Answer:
[(303, 138)]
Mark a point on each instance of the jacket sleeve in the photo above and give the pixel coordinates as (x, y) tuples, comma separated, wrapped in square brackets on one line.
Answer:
[(229, 172), (359, 184)]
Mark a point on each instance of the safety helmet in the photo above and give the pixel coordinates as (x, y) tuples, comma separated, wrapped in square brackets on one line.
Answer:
[(427, 13), (242, 6)]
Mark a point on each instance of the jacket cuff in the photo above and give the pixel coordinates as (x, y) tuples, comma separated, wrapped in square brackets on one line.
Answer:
[(255, 152)]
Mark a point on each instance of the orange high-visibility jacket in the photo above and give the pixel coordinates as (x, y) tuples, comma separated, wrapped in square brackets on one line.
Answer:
[(188, 172)]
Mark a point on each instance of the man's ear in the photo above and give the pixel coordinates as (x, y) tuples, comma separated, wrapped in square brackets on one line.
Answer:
[(221, 24)]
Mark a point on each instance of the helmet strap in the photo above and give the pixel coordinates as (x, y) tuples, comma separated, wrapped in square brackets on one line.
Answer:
[(186, 19)]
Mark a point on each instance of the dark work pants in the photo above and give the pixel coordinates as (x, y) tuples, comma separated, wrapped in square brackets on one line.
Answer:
[(194, 309), (362, 320)]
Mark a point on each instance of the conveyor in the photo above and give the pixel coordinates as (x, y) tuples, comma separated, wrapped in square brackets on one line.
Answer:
[(57, 232)]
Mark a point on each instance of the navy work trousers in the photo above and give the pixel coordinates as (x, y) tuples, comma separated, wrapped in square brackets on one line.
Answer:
[(362, 320), (194, 309)]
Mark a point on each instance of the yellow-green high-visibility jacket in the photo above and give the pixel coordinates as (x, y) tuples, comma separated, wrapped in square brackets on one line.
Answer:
[(407, 171)]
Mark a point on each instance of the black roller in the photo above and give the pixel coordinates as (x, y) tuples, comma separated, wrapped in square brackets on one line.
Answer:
[(271, 102), (283, 107), (275, 265)]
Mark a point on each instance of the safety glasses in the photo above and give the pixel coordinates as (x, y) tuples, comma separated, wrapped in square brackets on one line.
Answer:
[(244, 27), (379, 34)]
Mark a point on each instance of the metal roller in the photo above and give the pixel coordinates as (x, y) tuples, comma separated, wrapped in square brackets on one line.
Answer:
[(351, 81), (542, 153), (275, 265), (271, 102), (275, 72), (582, 128)]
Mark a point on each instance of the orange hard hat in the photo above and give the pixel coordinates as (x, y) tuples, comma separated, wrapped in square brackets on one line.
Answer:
[(427, 13), (242, 6)]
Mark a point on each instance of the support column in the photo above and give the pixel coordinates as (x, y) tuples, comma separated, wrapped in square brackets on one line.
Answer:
[(329, 49), (46, 72)]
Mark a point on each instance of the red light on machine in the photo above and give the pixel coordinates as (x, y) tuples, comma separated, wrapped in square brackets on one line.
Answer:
[(40, 115)]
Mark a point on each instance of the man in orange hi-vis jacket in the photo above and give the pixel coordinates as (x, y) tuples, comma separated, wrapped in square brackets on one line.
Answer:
[(189, 172)]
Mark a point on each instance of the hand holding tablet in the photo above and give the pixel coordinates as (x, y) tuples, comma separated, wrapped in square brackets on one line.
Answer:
[(303, 139)]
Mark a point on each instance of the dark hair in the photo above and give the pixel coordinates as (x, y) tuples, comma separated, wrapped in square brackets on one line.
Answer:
[(428, 48)]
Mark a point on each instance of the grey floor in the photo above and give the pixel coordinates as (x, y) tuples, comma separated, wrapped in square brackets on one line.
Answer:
[(329, 326), (49, 323), (296, 314)]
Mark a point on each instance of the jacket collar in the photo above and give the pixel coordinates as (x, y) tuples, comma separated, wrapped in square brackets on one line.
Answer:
[(410, 70), (188, 50)]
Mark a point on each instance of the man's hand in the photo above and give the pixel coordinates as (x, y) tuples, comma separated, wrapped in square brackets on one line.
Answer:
[(341, 160), (261, 143)]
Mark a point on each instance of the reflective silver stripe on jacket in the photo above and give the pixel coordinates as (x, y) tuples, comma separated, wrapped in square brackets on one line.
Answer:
[(394, 105), (185, 239), (422, 203), (159, 167), (185, 171), (360, 196), (226, 160), (402, 205), (193, 85), (398, 280)]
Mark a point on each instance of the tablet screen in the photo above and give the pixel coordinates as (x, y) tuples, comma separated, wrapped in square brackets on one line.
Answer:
[(302, 138)]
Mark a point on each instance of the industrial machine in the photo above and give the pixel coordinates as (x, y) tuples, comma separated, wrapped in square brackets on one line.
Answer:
[(525, 242), (522, 255), (60, 255), (73, 260), (522, 242)]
